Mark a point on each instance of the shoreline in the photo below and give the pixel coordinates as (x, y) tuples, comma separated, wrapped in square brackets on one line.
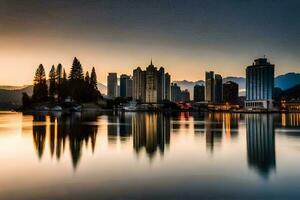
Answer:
[(96, 110)]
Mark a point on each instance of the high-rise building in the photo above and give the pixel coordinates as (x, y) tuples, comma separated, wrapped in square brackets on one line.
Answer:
[(231, 92), (185, 96), (125, 86), (151, 84), (139, 84), (167, 87), (160, 84), (129, 87), (209, 86), (199, 91), (259, 85), (175, 92), (112, 85), (218, 88)]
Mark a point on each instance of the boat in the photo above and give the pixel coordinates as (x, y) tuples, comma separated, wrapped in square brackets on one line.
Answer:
[(131, 106), (42, 108), (56, 108), (76, 108)]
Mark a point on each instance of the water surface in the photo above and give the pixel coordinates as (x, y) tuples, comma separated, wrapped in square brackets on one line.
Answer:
[(149, 156)]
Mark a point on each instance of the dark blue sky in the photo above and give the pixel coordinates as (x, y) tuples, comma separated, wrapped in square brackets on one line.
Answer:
[(118, 35)]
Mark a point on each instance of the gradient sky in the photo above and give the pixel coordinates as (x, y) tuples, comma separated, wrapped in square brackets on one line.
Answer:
[(186, 37)]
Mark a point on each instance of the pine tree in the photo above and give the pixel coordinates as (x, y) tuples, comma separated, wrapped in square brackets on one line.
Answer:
[(58, 77), (64, 78), (64, 86), (52, 77), (76, 72), (93, 79), (59, 73), (87, 78), (40, 88)]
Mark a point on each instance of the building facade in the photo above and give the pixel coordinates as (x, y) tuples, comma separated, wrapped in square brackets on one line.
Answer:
[(125, 86), (185, 96), (112, 85), (259, 85), (151, 85), (139, 85), (199, 93), (209, 86), (167, 87), (213, 87), (231, 92), (218, 89), (175, 93), (160, 84)]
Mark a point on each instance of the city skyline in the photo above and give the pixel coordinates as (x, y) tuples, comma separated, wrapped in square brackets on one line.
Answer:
[(174, 34)]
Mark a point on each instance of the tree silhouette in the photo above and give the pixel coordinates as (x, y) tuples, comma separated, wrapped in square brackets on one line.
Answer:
[(59, 76), (93, 79), (64, 85), (52, 87), (40, 88), (77, 86), (76, 72), (87, 78)]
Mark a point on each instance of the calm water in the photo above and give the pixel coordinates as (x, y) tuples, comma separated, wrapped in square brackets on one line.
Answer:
[(150, 156)]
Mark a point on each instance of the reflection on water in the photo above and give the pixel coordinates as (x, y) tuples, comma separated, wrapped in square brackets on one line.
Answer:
[(74, 128), (261, 143), (150, 131), (185, 150), (214, 129)]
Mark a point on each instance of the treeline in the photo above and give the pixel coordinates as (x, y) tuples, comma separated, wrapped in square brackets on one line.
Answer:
[(77, 86)]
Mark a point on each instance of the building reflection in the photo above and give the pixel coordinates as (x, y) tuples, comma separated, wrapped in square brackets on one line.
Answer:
[(261, 143), (290, 120), (151, 131), (78, 130), (119, 127), (180, 120), (199, 126), (231, 124), (213, 129)]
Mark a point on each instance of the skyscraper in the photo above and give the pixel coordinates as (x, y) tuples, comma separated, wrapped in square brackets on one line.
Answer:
[(209, 86), (167, 87), (199, 91), (185, 96), (231, 92), (259, 85), (160, 84), (218, 88), (139, 84), (151, 84), (125, 86), (112, 85), (175, 92), (129, 87)]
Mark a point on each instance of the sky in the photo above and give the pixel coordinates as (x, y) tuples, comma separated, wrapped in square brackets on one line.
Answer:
[(186, 37)]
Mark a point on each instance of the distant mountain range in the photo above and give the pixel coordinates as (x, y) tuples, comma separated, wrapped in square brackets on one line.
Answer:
[(287, 81), (283, 82), (12, 95)]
